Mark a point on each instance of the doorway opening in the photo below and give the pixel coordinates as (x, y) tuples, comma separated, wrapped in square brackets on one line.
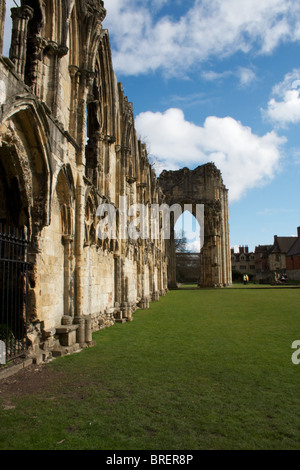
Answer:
[(188, 251)]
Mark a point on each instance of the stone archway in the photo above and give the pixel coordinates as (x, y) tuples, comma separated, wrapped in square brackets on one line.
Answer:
[(202, 186)]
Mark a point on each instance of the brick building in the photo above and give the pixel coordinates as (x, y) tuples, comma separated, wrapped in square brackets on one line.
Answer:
[(293, 260), (243, 262)]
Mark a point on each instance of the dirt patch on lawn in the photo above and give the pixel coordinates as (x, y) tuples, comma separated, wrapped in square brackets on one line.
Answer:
[(30, 380), (42, 381)]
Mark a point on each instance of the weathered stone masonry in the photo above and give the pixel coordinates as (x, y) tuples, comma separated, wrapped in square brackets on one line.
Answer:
[(202, 186), (67, 144)]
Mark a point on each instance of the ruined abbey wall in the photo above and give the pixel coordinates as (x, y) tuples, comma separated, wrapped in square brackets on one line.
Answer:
[(195, 189), (67, 146)]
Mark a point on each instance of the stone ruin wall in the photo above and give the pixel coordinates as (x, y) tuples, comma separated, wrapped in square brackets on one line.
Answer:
[(67, 144), (202, 186)]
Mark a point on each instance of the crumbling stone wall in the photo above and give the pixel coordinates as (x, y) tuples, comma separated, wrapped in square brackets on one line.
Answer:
[(67, 136), (67, 145), (202, 186)]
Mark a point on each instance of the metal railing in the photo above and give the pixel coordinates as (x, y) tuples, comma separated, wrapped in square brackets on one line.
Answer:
[(13, 290)]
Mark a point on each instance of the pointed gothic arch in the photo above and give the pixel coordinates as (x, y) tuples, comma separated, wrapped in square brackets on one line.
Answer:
[(26, 141), (204, 187)]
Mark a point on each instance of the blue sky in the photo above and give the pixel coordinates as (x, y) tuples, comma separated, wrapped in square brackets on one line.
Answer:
[(219, 80)]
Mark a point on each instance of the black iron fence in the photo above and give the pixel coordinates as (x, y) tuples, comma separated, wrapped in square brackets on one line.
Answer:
[(13, 290)]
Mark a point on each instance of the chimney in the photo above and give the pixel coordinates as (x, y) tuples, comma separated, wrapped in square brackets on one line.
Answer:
[(241, 249), (246, 249), (298, 232)]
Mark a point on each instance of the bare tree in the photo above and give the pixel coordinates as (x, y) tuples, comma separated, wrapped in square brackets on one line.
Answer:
[(181, 243)]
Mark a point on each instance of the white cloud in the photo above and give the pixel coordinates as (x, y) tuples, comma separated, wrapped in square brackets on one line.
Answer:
[(194, 246), (210, 75), (144, 42), (246, 160), (190, 100), (244, 75), (285, 110)]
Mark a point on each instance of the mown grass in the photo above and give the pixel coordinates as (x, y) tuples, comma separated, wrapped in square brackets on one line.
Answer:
[(202, 369)]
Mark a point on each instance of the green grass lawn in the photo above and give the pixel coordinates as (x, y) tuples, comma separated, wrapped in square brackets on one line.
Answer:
[(201, 369)]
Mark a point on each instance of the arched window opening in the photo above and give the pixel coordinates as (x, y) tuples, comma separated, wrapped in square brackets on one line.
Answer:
[(187, 245), (14, 211), (187, 233)]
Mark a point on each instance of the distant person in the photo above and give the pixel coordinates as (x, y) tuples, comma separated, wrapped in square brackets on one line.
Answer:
[(245, 279), (283, 278)]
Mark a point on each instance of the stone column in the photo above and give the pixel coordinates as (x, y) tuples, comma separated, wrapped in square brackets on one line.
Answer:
[(18, 49), (227, 242), (222, 236), (85, 81), (75, 76), (68, 294), (34, 74), (94, 161), (209, 254), (125, 306), (220, 240), (55, 52), (79, 265), (88, 329), (118, 288), (106, 175), (172, 254)]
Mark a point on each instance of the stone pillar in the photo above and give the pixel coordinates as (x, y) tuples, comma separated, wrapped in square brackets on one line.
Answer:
[(68, 290), (79, 266), (106, 168), (94, 161), (124, 158), (80, 321), (227, 241), (18, 49), (2, 21), (80, 207), (118, 298), (209, 257), (124, 285), (172, 255), (88, 329), (220, 241), (140, 280), (75, 77), (85, 78), (34, 73), (55, 52)]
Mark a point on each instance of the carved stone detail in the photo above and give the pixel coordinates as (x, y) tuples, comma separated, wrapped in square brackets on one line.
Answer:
[(69, 154)]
